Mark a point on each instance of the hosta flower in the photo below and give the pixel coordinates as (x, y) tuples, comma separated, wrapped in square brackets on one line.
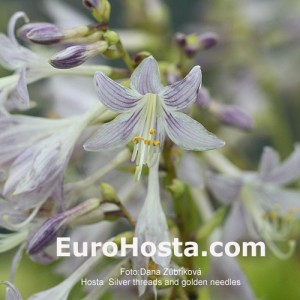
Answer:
[(261, 205), (149, 111), (152, 225), (18, 132), (38, 171), (15, 57)]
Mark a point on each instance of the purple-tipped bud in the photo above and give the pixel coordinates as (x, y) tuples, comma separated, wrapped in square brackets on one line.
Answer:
[(55, 226), (180, 39), (91, 4), (76, 55), (203, 98), (191, 50), (100, 9), (208, 40), (235, 116), (41, 33), (47, 234)]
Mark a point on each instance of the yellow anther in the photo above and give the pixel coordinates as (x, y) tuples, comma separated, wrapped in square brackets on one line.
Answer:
[(147, 142), (137, 139), (152, 131), (156, 143), (273, 214)]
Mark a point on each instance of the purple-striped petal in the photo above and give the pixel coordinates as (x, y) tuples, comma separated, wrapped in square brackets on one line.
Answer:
[(113, 95), (285, 201), (184, 92), (12, 293), (114, 134), (288, 171), (269, 161), (189, 134), (145, 78), (235, 227), (226, 189), (20, 93)]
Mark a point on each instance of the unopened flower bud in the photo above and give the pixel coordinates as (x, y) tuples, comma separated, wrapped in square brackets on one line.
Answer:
[(208, 40), (177, 188), (139, 57), (99, 8), (91, 3), (180, 39), (108, 192), (55, 226), (76, 55), (191, 50), (41, 33), (111, 37), (235, 116), (203, 98)]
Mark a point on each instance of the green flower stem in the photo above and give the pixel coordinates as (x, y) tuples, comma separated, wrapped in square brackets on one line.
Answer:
[(184, 214), (89, 70), (110, 196), (125, 55)]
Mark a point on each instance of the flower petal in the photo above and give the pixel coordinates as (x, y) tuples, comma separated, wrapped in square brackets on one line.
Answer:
[(113, 95), (114, 134), (189, 134), (226, 267), (184, 92), (268, 162), (235, 227), (145, 78), (20, 93), (12, 25), (285, 201), (226, 189), (12, 293), (288, 171)]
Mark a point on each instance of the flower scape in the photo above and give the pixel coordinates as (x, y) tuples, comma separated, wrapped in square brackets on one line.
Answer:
[(109, 138)]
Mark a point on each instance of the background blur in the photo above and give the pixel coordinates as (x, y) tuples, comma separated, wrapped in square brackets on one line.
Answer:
[(257, 65)]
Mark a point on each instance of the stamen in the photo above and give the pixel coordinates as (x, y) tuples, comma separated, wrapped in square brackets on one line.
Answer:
[(144, 153), (156, 143), (137, 139)]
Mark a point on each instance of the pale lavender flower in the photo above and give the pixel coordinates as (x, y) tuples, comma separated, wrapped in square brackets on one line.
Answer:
[(262, 207), (224, 268), (18, 132), (149, 111), (12, 293), (152, 225), (18, 58), (38, 171)]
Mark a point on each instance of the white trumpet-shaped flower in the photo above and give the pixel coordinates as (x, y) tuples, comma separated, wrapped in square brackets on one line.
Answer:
[(148, 112), (152, 225)]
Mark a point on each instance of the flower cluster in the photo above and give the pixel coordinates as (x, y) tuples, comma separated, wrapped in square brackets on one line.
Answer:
[(156, 171)]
